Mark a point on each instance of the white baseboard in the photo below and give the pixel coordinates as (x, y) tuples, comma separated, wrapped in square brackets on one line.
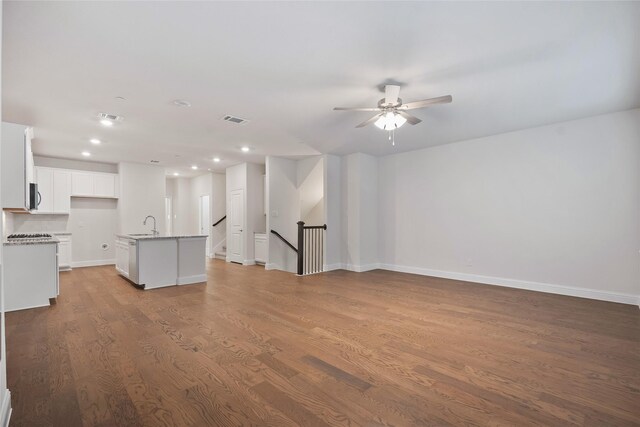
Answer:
[(360, 268), (188, 280), (520, 284), (331, 267), (271, 266), (5, 409), (93, 263), (249, 262)]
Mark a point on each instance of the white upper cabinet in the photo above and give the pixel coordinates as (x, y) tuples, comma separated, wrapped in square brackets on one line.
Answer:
[(94, 184), (82, 184), (54, 186), (61, 191), (44, 178), (17, 166), (104, 185)]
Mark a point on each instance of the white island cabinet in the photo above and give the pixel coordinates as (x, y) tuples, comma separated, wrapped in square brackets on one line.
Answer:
[(158, 261)]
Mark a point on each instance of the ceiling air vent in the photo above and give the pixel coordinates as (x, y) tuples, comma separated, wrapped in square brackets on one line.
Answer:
[(234, 119), (112, 117), (155, 161)]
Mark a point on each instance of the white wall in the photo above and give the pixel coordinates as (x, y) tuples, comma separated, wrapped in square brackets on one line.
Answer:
[(142, 193), (182, 205), (91, 222), (310, 181), (360, 212), (200, 186), (54, 162), (333, 212), (283, 205), (555, 208), (5, 395)]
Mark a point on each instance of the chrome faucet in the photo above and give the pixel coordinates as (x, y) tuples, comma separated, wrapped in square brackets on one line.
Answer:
[(153, 230)]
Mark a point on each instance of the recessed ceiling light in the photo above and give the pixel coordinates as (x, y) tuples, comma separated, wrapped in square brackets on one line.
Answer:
[(216, 159), (176, 174), (86, 153), (181, 103), (194, 167), (105, 122), (245, 149), (95, 141)]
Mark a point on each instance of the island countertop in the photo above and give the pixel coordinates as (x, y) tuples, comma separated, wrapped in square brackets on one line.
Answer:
[(160, 236)]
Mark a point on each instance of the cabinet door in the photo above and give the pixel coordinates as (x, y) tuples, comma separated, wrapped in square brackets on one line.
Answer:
[(118, 256), (125, 257), (104, 185), (260, 249), (44, 178), (61, 191), (64, 254), (82, 184)]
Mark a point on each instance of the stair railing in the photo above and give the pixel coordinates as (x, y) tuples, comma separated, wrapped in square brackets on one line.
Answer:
[(310, 248), (219, 221)]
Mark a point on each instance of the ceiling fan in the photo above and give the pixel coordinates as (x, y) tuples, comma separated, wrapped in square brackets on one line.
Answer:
[(392, 113)]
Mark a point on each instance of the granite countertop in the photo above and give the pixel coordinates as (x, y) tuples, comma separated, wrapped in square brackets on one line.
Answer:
[(20, 242), (161, 236)]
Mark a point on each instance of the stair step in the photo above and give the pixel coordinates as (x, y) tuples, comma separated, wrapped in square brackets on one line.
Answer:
[(221, 255)]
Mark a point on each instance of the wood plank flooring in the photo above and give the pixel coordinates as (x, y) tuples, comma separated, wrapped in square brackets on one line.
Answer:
[(267, 348)]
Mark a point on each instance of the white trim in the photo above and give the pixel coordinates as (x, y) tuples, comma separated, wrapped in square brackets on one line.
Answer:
[(7, 310), (272, 266), (188, 280), (361, 268), (93, 263), (520, 284), (331, 267), (249, 262), (5, 409)]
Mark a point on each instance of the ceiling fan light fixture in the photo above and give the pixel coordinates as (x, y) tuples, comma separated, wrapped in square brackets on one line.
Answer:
[(390, 120)]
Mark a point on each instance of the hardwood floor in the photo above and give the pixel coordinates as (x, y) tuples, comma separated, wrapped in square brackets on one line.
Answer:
[(268, 348)]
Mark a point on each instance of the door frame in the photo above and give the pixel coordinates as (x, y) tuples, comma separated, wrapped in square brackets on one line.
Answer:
[(205, 225), (230, 224)]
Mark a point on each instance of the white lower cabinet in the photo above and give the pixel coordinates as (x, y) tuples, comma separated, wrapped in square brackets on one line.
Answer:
[(64, 252), (30, 275), (122, 256), (261, 248)]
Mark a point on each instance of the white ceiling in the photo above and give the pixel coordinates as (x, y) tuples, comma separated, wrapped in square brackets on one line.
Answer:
[(284, 66)]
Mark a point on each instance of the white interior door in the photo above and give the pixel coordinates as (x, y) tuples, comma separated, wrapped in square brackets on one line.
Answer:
[(205, 221), (235, 246)]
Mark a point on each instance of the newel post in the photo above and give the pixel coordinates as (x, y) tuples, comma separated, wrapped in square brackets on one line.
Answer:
[(300, 248)]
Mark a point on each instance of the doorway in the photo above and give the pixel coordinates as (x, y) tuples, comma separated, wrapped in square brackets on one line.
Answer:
[(235, 249), (205, 222)]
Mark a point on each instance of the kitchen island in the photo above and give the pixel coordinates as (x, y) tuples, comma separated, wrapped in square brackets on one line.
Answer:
[(156, 261)]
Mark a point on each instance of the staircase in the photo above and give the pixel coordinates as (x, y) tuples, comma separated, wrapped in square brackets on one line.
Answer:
[(222, 255)]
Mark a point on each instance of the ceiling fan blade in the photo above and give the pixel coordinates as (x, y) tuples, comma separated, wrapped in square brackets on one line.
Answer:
[(369, 121), (391, 93), (410, 119), (426, 102), (356, 109)]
